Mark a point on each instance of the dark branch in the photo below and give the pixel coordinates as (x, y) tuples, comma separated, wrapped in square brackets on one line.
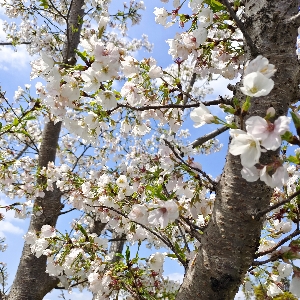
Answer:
[(213, 183), (283, 241), (270, 208), (163, 239), (254, 51), (191, 84), (200, 141), (67, 211), (221, 100), (14, 44)]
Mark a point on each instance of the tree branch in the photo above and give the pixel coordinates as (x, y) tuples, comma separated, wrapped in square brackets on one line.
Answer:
[(283, 241), (163, 239), (14, 44), (270, 208), (253, 49), (294, 19), (191, 84), (213, 183), (200, 141)]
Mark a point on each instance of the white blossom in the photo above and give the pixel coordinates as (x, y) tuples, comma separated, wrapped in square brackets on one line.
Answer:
[(295, 285), (48, 231), (268, 133), (247, 146), (260, 64), (156, 262), (201, 115), (163, 213), (106, 99), (256, 85), (161, 15), (139, 213)]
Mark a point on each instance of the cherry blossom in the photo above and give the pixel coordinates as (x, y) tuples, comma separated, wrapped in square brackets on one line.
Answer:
[(161, 15), (139, 213), (250, 174), (278, 179), (274, 290), (256, 85), (247, 146), (106, 99), (163, 213), (295, 284), (201, 115), (268, 133), (260, 64), (48, 231), (156, 261)]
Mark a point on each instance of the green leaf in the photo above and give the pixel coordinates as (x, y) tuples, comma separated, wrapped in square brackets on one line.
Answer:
[(296, 121), (127, 254), (80, 227), (246, 104), (44, 4), (236, 102), (82, 55), (215, 5), (287, 136), (171, 255), (22, 131), (227, 108), (15, 121), (179, 251), (294, 159), (27, 118)]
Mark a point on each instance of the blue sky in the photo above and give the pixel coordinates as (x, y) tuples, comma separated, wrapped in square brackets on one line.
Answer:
[(15, 70)]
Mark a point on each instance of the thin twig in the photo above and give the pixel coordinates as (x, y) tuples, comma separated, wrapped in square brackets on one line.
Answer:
[(200, 141), (14, 44), (163, 239), (67, 211), (72, 285), (283, 241), (253, 49), (190, 86), (192, 231), (213, 183), (21, 152), (270, 208), (183, 237)]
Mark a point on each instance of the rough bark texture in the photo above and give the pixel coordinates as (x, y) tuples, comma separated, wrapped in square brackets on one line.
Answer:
[(31, 281), (232, 237)]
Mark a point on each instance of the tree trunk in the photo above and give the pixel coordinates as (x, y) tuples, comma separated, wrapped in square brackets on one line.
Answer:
[(31, 281), (229, 243)]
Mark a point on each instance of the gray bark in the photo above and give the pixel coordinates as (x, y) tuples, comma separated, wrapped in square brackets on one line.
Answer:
[(232, 236), (31, 281)]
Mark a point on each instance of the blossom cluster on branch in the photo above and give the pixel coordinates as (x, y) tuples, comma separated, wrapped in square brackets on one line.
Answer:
[(125, 159)]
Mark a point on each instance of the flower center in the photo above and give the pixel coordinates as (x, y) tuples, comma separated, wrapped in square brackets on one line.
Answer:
[(254, 90), (271, 127), (163, 210)]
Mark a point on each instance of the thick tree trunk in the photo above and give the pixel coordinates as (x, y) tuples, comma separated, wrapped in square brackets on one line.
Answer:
[(232, 237), (31, 281)]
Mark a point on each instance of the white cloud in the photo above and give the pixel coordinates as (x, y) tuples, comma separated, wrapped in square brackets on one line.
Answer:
[(175, 276), (6, 225), (12, 58), (219, 87), (74, 295), (10, 214)]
